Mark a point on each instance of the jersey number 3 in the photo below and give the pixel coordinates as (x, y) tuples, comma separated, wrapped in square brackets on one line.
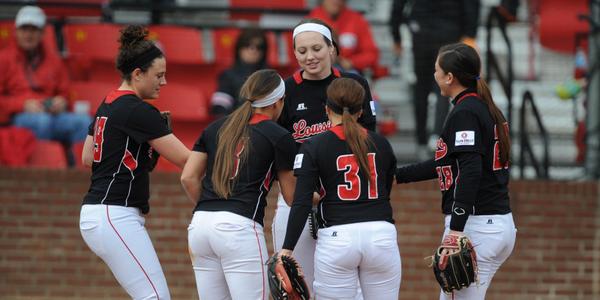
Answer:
[(351, 189), (99, 137)]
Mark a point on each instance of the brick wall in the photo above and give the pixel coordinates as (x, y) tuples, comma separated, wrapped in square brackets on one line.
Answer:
[(42, 255)]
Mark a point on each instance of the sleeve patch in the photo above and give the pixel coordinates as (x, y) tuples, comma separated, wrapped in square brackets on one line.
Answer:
[(464, 138), (298, 161), (372, 104)]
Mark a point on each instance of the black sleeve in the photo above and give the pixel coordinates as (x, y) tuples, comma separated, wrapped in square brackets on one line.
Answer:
[(470, 21), (465, 190), (285, 151), (396, 18), (200, 145), (416, 172), (91, 127), (145, 123), (367, 120), (464, 132), (306, 172)]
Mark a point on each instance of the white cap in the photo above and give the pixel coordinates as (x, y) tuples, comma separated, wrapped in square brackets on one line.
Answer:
[(31, 15)]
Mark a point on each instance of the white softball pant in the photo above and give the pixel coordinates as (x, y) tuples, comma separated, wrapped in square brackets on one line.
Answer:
[(118, 236), (229, 256), (365, 252), (304, 252), (493, 237)]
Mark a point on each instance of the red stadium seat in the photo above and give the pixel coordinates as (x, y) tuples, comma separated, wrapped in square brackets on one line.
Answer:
[(7, 29), (91, 91), (92, 49), (181, 45), (269, 4), (72, 8), (186, 103), (49, 155), (558, 23), (224, 44)]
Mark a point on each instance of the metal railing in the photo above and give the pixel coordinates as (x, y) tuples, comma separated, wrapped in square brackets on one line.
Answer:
[(541, 167), (493, 64)]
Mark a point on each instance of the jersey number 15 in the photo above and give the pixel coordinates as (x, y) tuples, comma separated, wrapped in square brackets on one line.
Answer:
[(351, 189)]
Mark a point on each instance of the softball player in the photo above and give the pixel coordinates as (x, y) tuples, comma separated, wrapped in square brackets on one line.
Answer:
[(119, 147), (471, 162), (229, 174), (304, 114), (356, 168)]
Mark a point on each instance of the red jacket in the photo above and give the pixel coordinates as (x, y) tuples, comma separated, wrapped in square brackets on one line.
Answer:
[(50, 77), (353, 35)]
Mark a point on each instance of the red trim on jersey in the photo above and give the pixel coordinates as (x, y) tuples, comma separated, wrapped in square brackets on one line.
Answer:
[(465, 96), (339, 131), (262, 269), (130, 252), (336, 72), (129, 161), (298, 75), (113, 95), (257, 118)]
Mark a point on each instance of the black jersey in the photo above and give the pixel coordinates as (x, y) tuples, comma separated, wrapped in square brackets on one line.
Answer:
[(304, 111), (271, 149), (470, 128), (123, 125), (350, 195)]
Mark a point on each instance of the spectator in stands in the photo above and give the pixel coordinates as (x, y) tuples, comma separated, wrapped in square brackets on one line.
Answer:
[(356, 45), (250, 56), (432, 23), (34, 84)]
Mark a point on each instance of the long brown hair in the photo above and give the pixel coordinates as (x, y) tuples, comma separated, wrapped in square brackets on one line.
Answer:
[(463, 62), (233, 137), (348, 95)]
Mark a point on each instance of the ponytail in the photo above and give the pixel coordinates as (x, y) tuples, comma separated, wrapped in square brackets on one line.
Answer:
[(345, 97), (501, 124), (233, 137)]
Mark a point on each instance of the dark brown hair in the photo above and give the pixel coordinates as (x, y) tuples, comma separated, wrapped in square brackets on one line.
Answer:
[(234, 135), (348, 94), (133, 43), (245, 39), (463, 62)]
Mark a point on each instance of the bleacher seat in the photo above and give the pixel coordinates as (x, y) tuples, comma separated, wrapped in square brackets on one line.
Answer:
[(269, 4), (48, 155), (7, 29), (224, 44), (91, 91), (72, 8), (181, 45), (92, 49), (559, 23), (186, 103)]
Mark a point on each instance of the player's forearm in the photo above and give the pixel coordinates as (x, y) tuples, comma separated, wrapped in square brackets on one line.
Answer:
[(416, 172), (299, 213), (465, 191), (192, 188)]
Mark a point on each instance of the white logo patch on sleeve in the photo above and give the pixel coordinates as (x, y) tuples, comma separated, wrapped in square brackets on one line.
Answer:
[(464, 138), (372, 104), (298, 161)]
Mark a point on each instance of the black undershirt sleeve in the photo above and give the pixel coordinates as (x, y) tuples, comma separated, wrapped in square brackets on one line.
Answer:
[(416, 172), (466, 187), (305, 186)]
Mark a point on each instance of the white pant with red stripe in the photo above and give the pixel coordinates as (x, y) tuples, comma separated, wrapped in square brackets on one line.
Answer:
[(118, 236), (493, 237), (229, 256)]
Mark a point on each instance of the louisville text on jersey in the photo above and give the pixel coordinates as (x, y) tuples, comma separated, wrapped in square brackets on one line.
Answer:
[(302, 131)]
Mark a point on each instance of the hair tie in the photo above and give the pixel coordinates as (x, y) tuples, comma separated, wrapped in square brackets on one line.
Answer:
[(142, 59)]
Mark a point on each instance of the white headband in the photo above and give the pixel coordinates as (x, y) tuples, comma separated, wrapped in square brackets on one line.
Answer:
[(312, 27), (271, 98)]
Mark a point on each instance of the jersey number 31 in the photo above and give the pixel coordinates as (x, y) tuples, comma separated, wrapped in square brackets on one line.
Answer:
[(351, 189)]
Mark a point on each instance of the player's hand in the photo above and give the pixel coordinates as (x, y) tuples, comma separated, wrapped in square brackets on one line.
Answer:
[(285, 252), (33, 106)]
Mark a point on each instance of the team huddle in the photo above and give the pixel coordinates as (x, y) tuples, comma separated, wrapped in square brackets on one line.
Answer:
[(314, 134)]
